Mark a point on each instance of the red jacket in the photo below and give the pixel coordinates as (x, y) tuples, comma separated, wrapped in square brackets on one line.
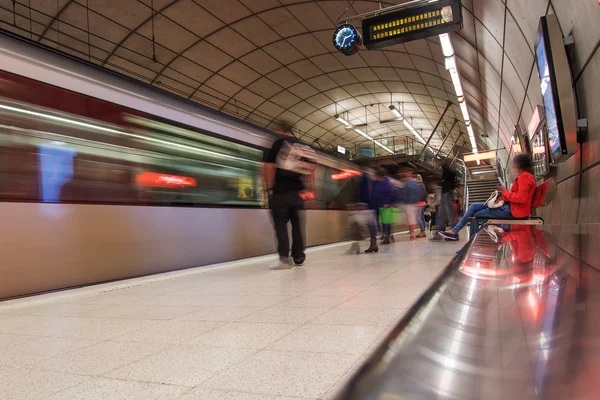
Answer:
[(520, 195)]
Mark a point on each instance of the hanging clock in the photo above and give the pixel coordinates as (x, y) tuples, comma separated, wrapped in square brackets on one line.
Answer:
[(347, 39)]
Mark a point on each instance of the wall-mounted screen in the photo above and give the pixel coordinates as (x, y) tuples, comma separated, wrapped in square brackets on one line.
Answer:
[(556, 87)]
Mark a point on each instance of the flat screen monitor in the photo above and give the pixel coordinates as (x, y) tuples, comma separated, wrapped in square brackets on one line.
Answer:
[(556, 87)]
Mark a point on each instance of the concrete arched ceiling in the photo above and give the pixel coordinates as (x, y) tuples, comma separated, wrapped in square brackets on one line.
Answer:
[(273, 61)]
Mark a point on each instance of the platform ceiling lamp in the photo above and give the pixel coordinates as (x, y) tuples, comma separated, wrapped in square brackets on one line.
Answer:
[(450, 61)]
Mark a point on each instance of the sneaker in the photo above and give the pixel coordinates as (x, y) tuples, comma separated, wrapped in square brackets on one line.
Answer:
[(449, 236), (282, 263), (299, 262)]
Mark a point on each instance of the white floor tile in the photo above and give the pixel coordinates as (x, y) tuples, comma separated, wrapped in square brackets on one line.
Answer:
[(280, 373), (132, 311), (169, 332), (280, 315), (113, 389), (314, 301), (208, 394), (224, 314), (329, 339), (28, 384), (36, 349), (360, 317), (99, 358), (182, 365), (243, 335), (103, 329)]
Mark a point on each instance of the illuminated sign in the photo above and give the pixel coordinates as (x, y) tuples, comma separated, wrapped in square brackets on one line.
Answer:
[(407, 24), (486, 155), (341, 150), (154, 179)]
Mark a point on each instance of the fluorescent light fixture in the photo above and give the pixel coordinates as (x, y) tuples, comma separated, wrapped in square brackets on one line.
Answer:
[(446, 42), (486, 155), (450, 62), (363, 134), (465, 111), (413, 131), (396, 113), (342, 120), (454, 75)]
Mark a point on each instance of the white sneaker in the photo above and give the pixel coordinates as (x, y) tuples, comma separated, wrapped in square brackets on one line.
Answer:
[(282, 263)]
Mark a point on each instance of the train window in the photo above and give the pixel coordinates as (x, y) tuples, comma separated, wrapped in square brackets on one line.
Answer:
[(61, 146), (53, 155)]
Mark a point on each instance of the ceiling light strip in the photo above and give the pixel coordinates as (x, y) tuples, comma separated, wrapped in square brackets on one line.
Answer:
[(448, 51)]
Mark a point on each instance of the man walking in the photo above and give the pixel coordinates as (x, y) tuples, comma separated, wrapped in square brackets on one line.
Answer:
[(287, 169), (446, 214)]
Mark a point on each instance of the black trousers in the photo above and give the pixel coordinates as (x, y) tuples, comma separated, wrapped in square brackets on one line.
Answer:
[(285, 207)]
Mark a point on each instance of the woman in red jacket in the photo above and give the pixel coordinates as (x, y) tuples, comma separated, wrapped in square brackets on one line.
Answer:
[(517, 200)]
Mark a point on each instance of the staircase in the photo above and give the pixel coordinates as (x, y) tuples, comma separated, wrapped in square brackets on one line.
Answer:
[(481, 189)]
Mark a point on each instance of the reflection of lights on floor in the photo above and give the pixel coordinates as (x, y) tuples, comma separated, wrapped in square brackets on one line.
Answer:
[(534, 304)]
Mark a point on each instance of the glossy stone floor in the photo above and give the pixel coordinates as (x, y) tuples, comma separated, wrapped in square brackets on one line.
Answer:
[(235, 331)]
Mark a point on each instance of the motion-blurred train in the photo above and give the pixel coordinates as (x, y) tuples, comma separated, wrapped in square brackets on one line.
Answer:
[(104, 178)]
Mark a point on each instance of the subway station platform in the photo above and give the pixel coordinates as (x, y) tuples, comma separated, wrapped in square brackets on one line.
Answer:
[(230, 331)]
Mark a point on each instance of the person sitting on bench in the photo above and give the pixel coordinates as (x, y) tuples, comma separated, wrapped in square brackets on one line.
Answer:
[(517, 204)]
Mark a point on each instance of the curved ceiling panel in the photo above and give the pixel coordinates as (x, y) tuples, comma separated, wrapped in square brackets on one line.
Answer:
[(272, 62)]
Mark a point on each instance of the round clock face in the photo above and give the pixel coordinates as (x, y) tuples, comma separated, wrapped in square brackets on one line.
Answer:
[(347, 39)]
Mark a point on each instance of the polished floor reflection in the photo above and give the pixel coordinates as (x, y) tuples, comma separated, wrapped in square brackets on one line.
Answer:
[(241, 332), (514, 318)]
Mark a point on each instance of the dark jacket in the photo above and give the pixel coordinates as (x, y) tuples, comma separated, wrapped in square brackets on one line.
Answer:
[(448, 179), (384, 193)]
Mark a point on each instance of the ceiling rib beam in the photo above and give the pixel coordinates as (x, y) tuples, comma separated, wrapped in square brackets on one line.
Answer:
[(458, 152), (448, 104), (446, 138)]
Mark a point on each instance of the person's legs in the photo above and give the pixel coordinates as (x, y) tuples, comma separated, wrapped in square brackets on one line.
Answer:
[(500, 212), (440, 221), (281, 215), (422, 224), (297, 229), (473, 209), (372, 222), (448, 205)]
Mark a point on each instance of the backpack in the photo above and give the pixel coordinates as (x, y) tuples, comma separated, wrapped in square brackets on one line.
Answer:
[(539, 196), (296, 157)]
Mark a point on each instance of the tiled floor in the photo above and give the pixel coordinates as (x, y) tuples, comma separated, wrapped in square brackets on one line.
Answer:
[(236, 333)]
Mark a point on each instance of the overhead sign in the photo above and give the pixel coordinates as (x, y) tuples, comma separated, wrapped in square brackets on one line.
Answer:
[(341, 150), (412, 23)]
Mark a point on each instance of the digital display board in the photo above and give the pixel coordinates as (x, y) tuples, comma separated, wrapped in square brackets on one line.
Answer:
[(407, 24), (556, 87)]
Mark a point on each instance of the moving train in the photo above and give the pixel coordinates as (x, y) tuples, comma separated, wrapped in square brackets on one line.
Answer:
[(104, 178)]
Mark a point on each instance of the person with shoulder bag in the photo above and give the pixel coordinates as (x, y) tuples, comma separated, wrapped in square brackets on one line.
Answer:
[(288, 174), (515, 202)]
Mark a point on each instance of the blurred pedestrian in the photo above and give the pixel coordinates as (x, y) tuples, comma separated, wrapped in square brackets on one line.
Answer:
[(385, 197), (433, 201), (445, 214), (422, 204), (367, 182), (288, 172), (411, 195)]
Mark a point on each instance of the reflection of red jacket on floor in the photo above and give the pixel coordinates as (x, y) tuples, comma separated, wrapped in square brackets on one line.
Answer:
[(522, 240), (520, 195)]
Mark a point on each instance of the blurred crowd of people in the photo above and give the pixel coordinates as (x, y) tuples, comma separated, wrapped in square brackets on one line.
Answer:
[(383, 195)]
